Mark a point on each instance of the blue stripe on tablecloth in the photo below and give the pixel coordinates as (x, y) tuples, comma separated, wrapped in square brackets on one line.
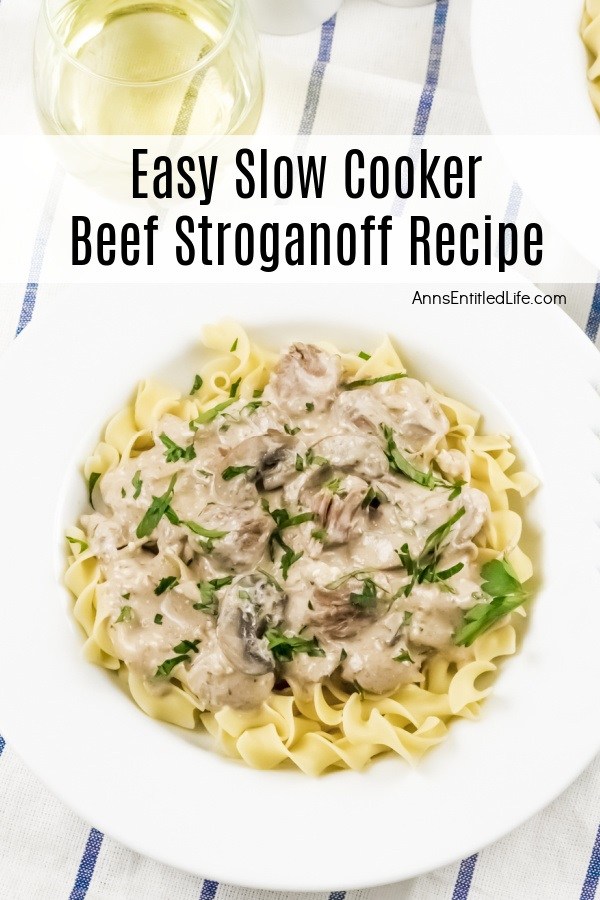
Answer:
[(209, 890), (39, 249), (464, 878), (593, 323), (588, 891), (2, 744), (87, 865), (433, 68), (337, 895), (313, 93)]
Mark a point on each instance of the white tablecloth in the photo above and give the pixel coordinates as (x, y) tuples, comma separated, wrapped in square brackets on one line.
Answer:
[(372, 69)]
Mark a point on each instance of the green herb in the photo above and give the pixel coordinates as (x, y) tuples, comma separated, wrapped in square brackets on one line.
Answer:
[(334, 485), (288, 559), (187, 647), (400, 464), (205, 532), (175, 452), (252, 406), (126, 614), (198, 382), (343, 655), (156, 511), (373, 498), (233, 472), (123, 493), (208, 591), (82, 544), (299, 463), (407, 617), (310, 407), (291, 431), (334, 585), (271, 579), (158, 619), (320, 535), (283, 519), (368, 382), (165, 669), (284, 647), (367, 599), (424, 567), (166, 584), (258, 392), (137, 484), (91, 485), (209, 415), (312, 460), (204, 473), (506, 592), (126, 596), (233, 347), (363, 355), (404, 657), (234, 388)]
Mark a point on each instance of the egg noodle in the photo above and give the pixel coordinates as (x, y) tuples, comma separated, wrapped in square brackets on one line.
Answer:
[(334, 727), (590, 32)]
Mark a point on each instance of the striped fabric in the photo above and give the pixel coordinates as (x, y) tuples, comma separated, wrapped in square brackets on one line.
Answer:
[(415, 76)]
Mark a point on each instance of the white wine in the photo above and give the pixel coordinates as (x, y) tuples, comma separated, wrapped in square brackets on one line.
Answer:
[(148, 67)]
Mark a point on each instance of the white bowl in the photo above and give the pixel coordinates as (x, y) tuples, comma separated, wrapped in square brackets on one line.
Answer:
[(164, 792)]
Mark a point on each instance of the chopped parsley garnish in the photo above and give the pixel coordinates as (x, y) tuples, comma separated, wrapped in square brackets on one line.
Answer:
[(425, 567), (166, 584), (158, 619), (233, 347), (156, 511), (126, 614), (205, 532), (310, 407), (258, 392), (334, 585), (335, 486), (291, 431), (320, 535), (137, 484), (367, 599), (404, 657), (91, 485), (271, 579), (506, 592), (233, 472), (401, 465), (198, 382), (175, 452), (209, 415), (234, 388), (373, 498), (253, 406), (123, 492), (363, 355), (126, 596), (183, 650), (299, 463), (284, 647), (186, 647), (204, 472), (343, 655), (368, 382), (208, 591), (82, 544), (283, 519), (314, 460)]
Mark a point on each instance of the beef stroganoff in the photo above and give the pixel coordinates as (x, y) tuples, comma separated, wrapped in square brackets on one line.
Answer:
[(312, 554)]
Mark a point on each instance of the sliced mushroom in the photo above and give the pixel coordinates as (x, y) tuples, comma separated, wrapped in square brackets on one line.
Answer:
[(268, 459), (248, 608), (335, 616), (356, 452), (305, 377)]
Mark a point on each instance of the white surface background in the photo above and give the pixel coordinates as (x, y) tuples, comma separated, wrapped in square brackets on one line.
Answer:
[(377, 70)]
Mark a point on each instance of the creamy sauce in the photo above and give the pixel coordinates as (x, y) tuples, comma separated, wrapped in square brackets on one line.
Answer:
[(220, 595)]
